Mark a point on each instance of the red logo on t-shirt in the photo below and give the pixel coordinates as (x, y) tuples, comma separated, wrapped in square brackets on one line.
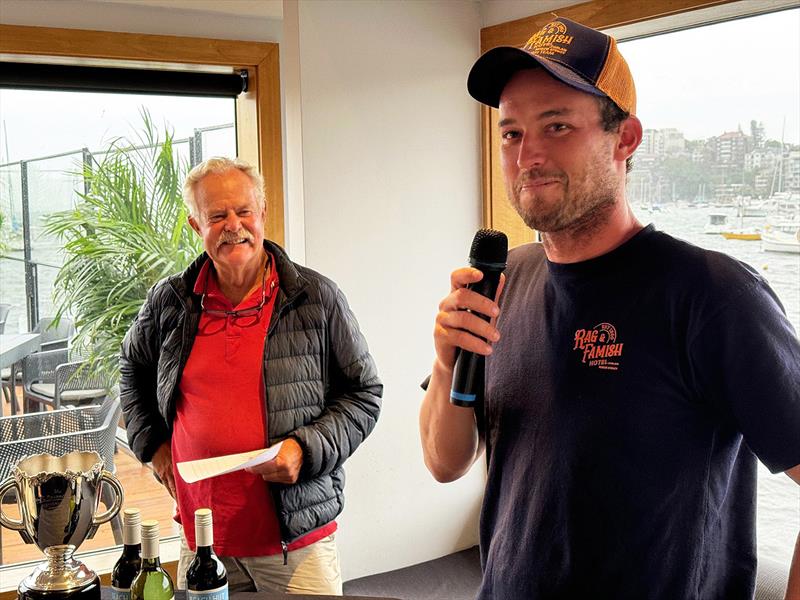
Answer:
[(599, 346)]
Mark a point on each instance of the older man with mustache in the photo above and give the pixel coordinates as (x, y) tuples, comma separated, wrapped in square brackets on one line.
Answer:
[(242, 350)]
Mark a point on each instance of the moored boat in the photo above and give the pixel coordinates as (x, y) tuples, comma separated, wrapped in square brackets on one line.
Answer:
[(742, 234), (780, 241), (717, 223)]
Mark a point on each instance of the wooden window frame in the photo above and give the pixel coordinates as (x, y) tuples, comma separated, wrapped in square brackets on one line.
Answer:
[(599, 14), (258, 111)]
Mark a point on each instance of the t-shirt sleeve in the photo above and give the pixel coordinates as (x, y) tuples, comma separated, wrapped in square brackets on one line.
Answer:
[(746, 360), (425, 383)]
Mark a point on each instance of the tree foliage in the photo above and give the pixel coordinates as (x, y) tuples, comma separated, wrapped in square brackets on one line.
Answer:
[(685, 175), (129, 231)]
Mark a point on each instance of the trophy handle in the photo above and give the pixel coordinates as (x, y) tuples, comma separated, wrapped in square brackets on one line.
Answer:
[(16, 525), (107, 478)]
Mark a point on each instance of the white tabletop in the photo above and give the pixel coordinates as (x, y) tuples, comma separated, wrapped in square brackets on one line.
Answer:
[(15, 346)]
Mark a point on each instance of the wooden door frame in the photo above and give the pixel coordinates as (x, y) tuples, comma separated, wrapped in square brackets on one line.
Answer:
[(258, 111), (599, 14)]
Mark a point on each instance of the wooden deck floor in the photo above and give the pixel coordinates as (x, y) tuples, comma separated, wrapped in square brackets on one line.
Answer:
[(141, 490)]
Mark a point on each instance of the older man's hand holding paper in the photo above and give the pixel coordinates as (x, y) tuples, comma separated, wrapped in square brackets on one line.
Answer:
[(285, 467), (196, 470)]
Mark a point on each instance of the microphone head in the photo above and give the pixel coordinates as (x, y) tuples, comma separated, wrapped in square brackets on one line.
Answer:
[(489, 249)]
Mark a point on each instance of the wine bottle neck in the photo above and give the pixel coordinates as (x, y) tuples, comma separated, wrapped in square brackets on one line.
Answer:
[(131, 550), (205, 551), (150, 547), (204, 535), (131, 536), (151, 564)]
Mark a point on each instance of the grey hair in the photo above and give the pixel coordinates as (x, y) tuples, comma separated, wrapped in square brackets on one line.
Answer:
[(220, 164)]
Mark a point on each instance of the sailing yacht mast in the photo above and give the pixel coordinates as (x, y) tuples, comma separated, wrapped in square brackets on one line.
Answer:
[(779, 165)]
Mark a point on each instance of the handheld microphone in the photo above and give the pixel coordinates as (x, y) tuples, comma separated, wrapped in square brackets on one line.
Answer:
[(488, 254)]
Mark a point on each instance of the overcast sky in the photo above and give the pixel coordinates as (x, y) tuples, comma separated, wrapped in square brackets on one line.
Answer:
[(45, 123), (712, 79), (704, 81)]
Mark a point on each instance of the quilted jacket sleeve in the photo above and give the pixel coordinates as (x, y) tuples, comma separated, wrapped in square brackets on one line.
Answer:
[(353, 399), (145, 426)]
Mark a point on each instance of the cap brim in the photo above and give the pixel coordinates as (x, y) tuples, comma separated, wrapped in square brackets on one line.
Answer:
[(492, 71)]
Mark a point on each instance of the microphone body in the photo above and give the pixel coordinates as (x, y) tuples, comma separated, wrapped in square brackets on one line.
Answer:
[(488, 255)]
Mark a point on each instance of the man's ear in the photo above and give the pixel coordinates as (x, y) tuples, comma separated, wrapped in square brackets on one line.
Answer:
[(630, 136), (193, 224)]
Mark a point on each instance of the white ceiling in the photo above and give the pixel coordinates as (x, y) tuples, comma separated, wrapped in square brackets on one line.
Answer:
[(265, 9), (492, 11)]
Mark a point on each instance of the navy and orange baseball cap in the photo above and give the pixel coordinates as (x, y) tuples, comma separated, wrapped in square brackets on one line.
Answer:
[(579, 56)]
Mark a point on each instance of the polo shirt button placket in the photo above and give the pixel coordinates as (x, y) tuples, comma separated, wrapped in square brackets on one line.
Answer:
[(233, 334)]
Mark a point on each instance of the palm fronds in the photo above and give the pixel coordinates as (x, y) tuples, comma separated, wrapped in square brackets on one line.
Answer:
[(126, 233)]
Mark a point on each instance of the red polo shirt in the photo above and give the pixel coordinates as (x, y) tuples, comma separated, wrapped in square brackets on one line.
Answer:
[(221, 410)]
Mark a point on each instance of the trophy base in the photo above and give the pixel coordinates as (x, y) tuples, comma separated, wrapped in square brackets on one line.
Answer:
[(90, 591)]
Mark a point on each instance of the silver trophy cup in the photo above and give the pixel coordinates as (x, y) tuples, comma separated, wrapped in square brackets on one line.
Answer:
[(58, 499)]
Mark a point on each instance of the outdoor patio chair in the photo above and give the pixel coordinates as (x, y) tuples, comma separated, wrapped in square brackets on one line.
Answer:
[(55, 337), (5, 373), (58, 432), (52, 338), (51, 379)]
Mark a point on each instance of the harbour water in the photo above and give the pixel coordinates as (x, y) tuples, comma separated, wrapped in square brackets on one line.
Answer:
[(778, 496)]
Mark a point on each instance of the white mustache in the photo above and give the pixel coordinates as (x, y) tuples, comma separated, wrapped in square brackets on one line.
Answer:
[(234, 237)]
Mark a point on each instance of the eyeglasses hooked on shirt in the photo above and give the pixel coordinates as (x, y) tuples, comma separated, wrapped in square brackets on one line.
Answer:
[(250, 311)]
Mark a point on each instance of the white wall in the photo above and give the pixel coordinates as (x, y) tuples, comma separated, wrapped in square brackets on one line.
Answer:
[(392, 199), (81, 14)]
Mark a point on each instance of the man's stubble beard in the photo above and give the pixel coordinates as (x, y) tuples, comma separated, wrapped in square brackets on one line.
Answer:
[(584, 206)]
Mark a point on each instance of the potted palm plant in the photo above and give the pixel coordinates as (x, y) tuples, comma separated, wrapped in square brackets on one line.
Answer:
[(127, 232)]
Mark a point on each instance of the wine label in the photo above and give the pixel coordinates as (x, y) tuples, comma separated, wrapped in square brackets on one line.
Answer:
[(120, 594), (220, 593)]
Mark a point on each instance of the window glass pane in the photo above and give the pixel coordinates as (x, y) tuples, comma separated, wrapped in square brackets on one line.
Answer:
[(46, 138), (12, 274), (719, 166)]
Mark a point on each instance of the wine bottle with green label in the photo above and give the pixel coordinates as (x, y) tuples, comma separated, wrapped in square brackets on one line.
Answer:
[(130, 562), (152, 582), (206, 578)]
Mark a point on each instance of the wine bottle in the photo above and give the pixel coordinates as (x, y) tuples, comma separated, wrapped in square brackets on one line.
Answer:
[(206, 578), (130, 562), (152, 582)]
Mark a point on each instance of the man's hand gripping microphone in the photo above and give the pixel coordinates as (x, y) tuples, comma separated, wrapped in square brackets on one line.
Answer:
[(488, 255)]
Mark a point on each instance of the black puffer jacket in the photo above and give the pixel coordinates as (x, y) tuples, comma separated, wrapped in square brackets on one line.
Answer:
[(322, 386)]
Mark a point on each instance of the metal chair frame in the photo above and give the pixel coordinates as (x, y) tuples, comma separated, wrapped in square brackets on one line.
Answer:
[(55, 338), (55, 367), (4, 310), (52, 338)]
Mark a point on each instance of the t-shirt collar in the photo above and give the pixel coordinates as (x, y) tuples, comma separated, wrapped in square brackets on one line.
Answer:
[(620, 259)]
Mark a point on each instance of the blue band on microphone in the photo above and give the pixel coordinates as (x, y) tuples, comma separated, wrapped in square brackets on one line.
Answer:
[(463, 397), (488, 265)]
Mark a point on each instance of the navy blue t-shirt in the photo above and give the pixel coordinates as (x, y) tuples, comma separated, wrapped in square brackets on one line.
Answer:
[(615, 408)]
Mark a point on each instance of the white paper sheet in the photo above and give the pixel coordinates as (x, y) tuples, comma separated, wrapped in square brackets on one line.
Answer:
[(196, 470)]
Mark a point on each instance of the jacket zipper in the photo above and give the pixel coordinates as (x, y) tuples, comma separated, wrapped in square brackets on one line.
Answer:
[(277, 313)]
